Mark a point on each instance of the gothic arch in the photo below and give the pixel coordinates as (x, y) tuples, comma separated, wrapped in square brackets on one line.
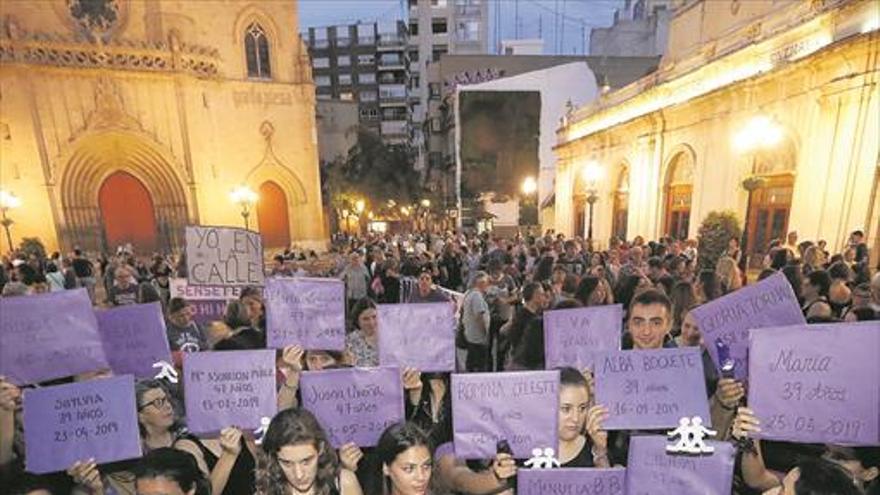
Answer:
[(620, 200), (95, 157), (253, 14), (678, 186)]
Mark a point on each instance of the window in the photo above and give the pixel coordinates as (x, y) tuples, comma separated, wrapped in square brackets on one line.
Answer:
[(367, 96), (366, 34), (414, 80), (434, 89), (468, 30), (413, 28), (438, 25), (366, 59), (343, 61), (256, 47), (367, 78), (345, 79), (320, 36), (369, 113), (437, 52), (322, 80), (414, 56), (321, 63), (346, 96)]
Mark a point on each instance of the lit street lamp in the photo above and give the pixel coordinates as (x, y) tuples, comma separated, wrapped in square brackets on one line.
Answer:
[(760, 133), (592, 173), (245, 198), (529, 186), (8, 201)]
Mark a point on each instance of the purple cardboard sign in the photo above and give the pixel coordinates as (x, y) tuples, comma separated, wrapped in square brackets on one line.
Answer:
[(728, 319), (420, 335), (355, 404), (78, 421), (206, 311), (573, 336), (571, 481), (229, 388), (817, 385), (309, 312), (652, 471), (134, 338), (520, 407), (223, 256), (651, 389), (48, 336)]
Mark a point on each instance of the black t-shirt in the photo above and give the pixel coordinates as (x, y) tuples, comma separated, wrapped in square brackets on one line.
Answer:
[(82, 267)]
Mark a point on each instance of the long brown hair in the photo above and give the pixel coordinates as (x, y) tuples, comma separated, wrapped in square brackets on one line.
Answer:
[(290, 427)]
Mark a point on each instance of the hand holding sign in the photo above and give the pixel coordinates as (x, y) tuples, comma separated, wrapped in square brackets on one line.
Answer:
[(134, 338), (572, 337), (420, 335), (309, 312), (653, 471), (223, 256)]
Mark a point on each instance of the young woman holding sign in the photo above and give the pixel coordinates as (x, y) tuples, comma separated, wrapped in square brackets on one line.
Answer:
[(297, 459), (577, 450)]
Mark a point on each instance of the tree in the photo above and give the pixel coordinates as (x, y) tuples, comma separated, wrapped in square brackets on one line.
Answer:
[(374, 172), (715, 232)]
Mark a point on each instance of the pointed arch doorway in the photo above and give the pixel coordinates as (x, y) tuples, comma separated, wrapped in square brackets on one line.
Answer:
[(127, 212), (272, 217)]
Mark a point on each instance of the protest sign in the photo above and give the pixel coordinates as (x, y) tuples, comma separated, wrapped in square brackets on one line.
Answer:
[(571, 481), (229, 388), (354, 405), (419, 335), (134, 338), (95, 419), (652, 471), (817, 385), (309, 312), (520, 407), (573, 336), (223, 256), (48, 336), (726, 321), (208, 301), (652, 388)]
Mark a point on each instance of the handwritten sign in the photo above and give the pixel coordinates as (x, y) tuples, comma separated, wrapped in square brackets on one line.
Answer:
[(354, 405), (420, 335), (652, 471), (519, 407), (48, 336), (208, 301), (728, 319), (309, 312), (571, 481), (817, 386), (69, 423), (651, 389), (134, 338), (229, 388), (573, 336), (206, 312), (223, 256)]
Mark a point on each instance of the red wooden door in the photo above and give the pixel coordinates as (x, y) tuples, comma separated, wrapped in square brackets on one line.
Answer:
[(127, 212), (272, 216)]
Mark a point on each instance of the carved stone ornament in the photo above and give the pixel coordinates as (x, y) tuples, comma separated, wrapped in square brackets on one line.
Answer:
[(109, 112), (95, 18)]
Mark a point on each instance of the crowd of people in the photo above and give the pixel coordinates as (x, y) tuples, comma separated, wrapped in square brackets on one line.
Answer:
[(501, 288)]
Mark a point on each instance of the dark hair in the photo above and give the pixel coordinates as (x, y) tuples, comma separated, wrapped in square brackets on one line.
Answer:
[(821, 477), (362, 305), (395, 440), (655, 262), (236, 315), (626, 289), (141, 387), (820, 279), (840, 271), (174, 465), (570, 284), (682, 298), (652, 296), (28, 483), (290, 427), (711, 284), (779, 258), (570, 377), (666, 281), (766, 272), (147, 293), (250, 291), (858, 233), (530, 289), (585, 289), (795, 278), (176, 304), (544, 269)]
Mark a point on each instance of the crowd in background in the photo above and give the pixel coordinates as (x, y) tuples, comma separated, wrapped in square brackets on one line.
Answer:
[(500, 287)]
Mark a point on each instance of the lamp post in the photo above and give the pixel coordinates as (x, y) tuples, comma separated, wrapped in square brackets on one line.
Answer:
[(592, 173), (426, 213), (245, 198), (759, 133), (529, 187), (8, 201)]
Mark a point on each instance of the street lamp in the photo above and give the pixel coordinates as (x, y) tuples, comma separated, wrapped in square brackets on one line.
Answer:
[(8, 201), (529, 186), (245, 198), (592, 173), (759, 133)]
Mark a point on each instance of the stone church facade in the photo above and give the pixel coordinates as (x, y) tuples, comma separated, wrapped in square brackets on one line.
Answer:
[(125, 120)]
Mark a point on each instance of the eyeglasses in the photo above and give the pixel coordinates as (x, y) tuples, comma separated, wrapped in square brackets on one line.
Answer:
[(157, 403)]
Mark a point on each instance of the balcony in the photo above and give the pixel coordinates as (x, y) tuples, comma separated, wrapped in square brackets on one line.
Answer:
[(343, 42), (321, 44), (391, 62), (393, 94), (391, 41), (366, 40)]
